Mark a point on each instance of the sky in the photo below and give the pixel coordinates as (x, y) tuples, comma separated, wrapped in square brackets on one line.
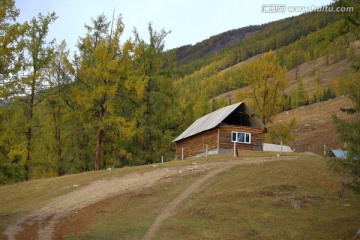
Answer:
[(190, 21)]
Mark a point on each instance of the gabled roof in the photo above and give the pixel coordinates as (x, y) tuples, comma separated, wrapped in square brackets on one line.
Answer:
[(213, 119)]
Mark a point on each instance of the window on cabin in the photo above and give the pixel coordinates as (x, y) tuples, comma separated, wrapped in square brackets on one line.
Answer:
[(241, 137)]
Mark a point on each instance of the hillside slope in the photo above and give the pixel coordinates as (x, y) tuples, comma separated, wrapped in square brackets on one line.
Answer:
[(213, 44), (251, 197), (317, 71), (315, 126), (311, 73)]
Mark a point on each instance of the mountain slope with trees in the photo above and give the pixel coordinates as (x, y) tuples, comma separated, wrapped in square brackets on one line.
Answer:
[(121, 102)]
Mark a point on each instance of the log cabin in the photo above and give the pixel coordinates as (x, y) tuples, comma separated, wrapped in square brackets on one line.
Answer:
[(226, 129)]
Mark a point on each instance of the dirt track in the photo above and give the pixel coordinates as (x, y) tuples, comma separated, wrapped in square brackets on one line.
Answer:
[(47, 216), (169, 210)]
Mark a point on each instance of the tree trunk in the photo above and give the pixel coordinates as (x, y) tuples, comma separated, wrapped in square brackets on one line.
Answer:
[(29, 132), (99, 138), (57, 138)]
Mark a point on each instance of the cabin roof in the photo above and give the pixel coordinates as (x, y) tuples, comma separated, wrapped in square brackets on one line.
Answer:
[(213, 119)]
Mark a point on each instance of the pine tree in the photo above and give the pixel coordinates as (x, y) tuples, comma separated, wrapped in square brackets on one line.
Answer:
[(350, 134), (317, 93), (102, 71), (12, 141), (11, 61), (299, 96), (154, 104), (39, 56), (58, 78), (11, 47)]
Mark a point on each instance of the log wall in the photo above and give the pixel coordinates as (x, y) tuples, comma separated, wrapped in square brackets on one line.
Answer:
[(257, 137), (218, 138), (196, 144)]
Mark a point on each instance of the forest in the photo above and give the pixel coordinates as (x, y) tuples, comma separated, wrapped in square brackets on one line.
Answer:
[(119, 102)]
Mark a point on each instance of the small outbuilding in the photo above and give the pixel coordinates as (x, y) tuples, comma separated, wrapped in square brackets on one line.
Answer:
[(269, 147), (338, 153), (234, 126)]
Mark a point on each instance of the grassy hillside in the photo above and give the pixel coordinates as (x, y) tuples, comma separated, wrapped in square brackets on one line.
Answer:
[(289, 199), (23, 198), (315, 126), (243, 43), (315, 47), (277, 200), (312, 73), (215, 43)]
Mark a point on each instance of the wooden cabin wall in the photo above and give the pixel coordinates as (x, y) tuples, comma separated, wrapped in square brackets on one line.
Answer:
[(257, 137), (219, 137), (196, 144)]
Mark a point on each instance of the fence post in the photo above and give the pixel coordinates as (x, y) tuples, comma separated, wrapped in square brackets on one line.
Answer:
[(162, 159), (234, 149), (324, 149)]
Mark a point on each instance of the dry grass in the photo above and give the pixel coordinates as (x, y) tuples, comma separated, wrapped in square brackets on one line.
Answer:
[(22, 198), (275, 200), (317, 72), (19, 199), (315, 125), (311, 73), (126, 216)]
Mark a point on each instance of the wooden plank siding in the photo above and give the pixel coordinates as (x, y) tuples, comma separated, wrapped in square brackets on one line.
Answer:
[(196, 144), (218, 138), (257, 137)]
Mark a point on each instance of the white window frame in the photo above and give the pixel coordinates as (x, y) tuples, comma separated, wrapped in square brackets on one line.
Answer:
[(246, 136)]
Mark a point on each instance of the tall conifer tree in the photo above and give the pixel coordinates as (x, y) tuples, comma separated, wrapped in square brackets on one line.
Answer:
[(102, 71)]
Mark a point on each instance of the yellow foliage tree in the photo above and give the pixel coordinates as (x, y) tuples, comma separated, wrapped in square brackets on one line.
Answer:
[(100, 78), (283, 132), (267, 80)]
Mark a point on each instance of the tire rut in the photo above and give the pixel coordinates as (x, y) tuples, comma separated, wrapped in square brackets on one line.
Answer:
[(170, 209)]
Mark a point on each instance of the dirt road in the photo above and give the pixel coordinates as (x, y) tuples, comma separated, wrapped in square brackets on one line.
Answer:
[(170, 209), (47, 216)]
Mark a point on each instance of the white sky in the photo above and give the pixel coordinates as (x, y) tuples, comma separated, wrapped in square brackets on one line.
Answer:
[(190, 21)]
